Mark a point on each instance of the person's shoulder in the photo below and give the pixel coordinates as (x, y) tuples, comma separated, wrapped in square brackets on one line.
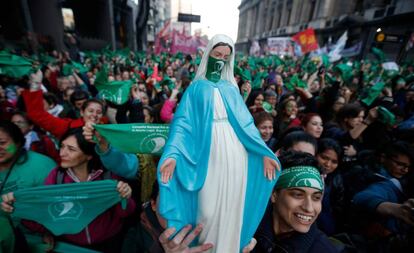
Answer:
[(40, 159), (321, 243)]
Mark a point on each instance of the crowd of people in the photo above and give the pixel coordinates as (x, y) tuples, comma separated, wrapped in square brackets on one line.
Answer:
[(343, 133)]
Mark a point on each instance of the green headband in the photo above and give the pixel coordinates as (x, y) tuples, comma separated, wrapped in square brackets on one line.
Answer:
[(300, 176)]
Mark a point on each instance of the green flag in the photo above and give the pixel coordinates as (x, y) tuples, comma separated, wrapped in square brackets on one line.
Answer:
[(66, 208), (373, 93), (136, 138), (345, 70), (379, 54), (70, 67), (116, 92), (295, 81), (259, 77), (386, 116), (13, 65)]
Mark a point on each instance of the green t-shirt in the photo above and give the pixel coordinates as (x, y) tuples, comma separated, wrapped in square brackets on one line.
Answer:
[(29, 173)]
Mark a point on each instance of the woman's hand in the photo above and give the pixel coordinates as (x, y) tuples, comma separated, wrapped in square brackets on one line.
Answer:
[(93, 136), (124, 190), (49, 239), (250, 246), (350, 150), (167, 170), (270, 167), (180, 242), (7, 204), (135, 92)]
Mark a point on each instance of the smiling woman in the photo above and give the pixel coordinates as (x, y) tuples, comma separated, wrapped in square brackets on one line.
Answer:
[(288, 225)]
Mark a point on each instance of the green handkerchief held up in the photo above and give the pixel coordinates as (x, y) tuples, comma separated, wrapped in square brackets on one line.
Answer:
[(116, 92), (13, 65), (136, 138), (66, 208), (373, 93), (385, 116)]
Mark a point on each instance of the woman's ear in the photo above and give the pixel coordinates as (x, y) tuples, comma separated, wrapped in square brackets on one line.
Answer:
[(273, 198)]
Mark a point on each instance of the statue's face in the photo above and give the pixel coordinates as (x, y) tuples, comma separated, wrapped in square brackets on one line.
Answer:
[(221, 52)]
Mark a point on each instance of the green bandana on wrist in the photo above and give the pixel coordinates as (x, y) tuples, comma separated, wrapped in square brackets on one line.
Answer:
[(300, 176), (214, 68)]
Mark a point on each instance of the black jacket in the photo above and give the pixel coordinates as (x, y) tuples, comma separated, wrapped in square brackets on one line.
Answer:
[(314, 241)]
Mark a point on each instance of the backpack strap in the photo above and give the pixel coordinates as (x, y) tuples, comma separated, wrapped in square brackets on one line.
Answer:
[(59, 176), (107, 175)]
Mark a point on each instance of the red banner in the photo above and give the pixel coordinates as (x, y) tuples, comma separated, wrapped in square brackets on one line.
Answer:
[(307, 40)]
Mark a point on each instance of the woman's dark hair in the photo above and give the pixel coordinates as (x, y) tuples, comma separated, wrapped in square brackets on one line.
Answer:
[(86, 147), (17, 136), (13, 131), (261, 117), (349, 111), (96, 101), (270, 93), (78, 95), (283, 104), (396, 148), (307, 117), (23, 115), (252, 97), (298, 136), (293, 158), (50, 98), (155, 191), (330, 144), (223, 44)]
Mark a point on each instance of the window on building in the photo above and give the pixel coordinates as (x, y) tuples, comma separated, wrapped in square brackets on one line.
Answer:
[(311, 10)]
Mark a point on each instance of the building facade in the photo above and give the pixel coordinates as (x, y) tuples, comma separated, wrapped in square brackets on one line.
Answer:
[(261, 19), (46, 24)]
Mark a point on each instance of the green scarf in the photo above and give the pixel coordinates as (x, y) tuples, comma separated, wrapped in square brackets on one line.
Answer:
[(66, 208), (214, 68), (300, 176), (136, 138)]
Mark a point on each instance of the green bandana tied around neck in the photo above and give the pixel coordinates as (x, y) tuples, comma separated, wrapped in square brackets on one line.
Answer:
[(214, 68), (136, 138), (66, 208), (300, 176)]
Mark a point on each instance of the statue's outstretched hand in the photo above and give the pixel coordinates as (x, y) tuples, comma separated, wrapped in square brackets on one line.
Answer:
[(167, 170), (270, 167)]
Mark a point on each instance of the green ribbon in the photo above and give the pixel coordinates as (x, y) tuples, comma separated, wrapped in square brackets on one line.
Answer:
[(300, 176), (214, 68), (136, 138)]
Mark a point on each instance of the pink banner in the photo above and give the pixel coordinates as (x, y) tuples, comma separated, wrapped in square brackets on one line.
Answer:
[(186, 44)]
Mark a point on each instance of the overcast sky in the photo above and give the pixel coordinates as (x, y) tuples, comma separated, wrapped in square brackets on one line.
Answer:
[(217, 16)]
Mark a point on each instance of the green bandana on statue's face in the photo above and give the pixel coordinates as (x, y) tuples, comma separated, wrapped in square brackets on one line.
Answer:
[(214, 68)]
